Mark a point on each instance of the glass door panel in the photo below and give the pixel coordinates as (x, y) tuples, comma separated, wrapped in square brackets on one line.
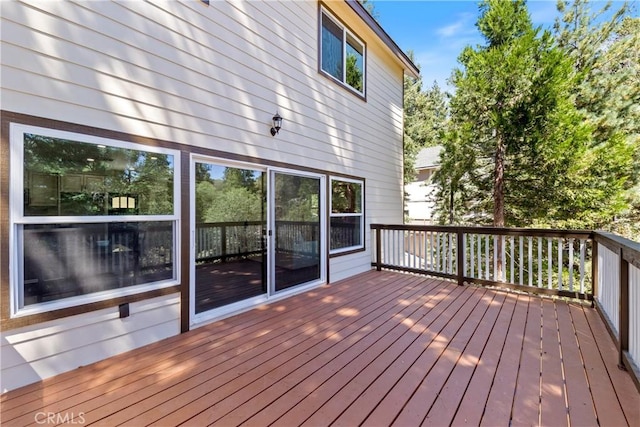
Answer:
[(230, 245), (297, 218)]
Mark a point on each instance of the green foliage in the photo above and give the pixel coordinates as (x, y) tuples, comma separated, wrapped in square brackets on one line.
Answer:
[(238, 196), (519, 151), (604, 47), (425, 118), (354, 73)]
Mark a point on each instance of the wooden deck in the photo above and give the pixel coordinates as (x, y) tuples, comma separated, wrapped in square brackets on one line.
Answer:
[(378, 349)]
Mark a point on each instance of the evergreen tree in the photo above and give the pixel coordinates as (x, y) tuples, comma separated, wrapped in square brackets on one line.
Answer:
[(425, 118), (519, 152), (606, 60)]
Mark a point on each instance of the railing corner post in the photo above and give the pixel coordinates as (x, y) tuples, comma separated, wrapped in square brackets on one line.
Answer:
[(623, 327)]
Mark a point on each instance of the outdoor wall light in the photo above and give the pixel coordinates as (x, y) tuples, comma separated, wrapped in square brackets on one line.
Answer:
[(277, 124)]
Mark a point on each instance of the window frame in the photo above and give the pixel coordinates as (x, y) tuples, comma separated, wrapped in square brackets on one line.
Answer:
[(18, 219), (346, 33), (361, 246)]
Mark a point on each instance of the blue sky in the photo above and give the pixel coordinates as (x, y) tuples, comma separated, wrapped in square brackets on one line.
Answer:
[(438, 30)]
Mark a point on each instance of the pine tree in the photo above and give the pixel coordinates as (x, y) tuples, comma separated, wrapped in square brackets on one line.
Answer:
[(519, 152)]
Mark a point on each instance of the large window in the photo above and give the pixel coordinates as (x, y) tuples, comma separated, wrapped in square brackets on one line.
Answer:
[(342, 54), (347, 219), (97, 218)]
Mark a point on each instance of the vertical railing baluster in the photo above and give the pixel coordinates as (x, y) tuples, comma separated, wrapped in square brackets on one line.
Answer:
[(486, 257), (479, 256), (450, 267), (431, 253), (560, 250), (550, 258), (571, 265), (496, 276), (583, 245), (539, 262), (438, 252), (530, 253), (512, 261), (521, 260), (463, 248), (472, 239)]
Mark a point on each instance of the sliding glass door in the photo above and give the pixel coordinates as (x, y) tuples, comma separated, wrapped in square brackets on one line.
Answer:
[(255, 233), (230, 228), (298, 224)]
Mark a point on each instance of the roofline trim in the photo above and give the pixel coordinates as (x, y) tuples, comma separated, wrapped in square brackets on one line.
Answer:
[(410, 67)]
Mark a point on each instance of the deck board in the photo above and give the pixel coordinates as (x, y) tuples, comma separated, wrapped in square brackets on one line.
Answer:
[(380, 348)]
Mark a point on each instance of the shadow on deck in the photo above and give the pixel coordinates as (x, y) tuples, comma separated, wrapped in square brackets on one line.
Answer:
[(380, 348)]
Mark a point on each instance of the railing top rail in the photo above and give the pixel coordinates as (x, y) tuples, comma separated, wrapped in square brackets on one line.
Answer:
[(630, 249), (535, 232)]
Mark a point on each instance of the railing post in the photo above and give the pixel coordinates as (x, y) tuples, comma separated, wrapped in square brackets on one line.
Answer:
[(623, 327), (378, 250), (460, 249)]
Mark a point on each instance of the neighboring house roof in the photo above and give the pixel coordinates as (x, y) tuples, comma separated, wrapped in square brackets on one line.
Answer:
[(410, 67), (428, 157)]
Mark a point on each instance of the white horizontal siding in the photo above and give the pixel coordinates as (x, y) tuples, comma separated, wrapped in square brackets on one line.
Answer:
[(206, 76), (40, 351), (210, 82)]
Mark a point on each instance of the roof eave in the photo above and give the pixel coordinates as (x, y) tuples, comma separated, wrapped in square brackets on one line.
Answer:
[(409, 67)]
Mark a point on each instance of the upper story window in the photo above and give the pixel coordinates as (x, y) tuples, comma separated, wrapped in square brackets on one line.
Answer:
[(342, 54), (97, 219)]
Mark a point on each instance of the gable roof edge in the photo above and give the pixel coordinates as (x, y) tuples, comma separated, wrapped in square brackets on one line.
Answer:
[(410, 67)]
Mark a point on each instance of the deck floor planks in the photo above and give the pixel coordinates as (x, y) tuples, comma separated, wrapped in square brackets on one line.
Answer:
[(66, 383), (526, 400), (294, 360), (360, 408), (553, 408), (342, 393), (608, 409), (580, 403), (446, 405), (626, 392), (283, 392), (158, 404), (355, 405), (474, 401), (150, 376), (216, 398), (441, 381), (384, 351), (500, 400), (389, 409)]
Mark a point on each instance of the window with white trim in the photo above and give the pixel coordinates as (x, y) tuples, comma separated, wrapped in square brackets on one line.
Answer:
[(93, 218), (342, 54), (347, 217)]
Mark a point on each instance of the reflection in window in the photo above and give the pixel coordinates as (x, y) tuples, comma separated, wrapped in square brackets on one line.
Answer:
[(342, 54), (66, 260), (70, 178), (347, 226), (99, 218)]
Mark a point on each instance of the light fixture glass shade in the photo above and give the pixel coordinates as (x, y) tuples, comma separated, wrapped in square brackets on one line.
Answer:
[(277, 124)]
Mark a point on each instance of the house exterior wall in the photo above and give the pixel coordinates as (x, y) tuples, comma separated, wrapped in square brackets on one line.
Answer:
[(201, 78), (420, 197)]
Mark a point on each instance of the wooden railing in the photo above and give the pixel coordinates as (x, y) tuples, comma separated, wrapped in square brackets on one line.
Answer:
[(594, 266), (617, 293)]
